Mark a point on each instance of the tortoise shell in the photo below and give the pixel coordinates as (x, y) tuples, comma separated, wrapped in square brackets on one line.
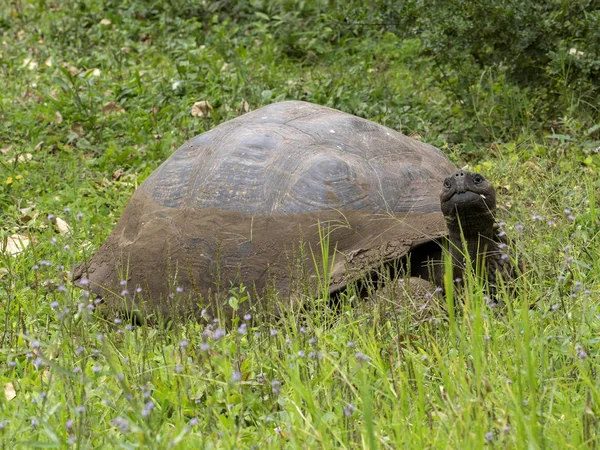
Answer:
[(251, 200)]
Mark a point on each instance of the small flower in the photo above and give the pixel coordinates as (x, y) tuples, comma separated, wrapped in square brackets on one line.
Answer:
[(247, 316), (489, 436), (54, 305), (148, 407), (302, 353), (124, 292), (184, 343), (117, 321), (273, 332), (34, 422), (50, 216), (179, 289), (96, 369), (138, 289), (351, 344), (567, 211), (178, 368), (571, 217), (243, 329), (555, 307), (219, 333), (237, 376), (506, 428), (12, 364), (77, 370), (312, 340), (537, 217), (302, 330), (84, 281), (193, 422), (79, 216), (66, 209), (80, 409), (123, 282), (276, 387), (204, 347), (69, 425), (362, 357), (121, 423), (349, 410), (502, 234), (100, 337), (551, 223), (581, 354), (519, 228)]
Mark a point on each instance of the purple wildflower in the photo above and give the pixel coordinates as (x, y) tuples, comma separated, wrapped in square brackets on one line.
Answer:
[(349, 410), (362, 357), (121, 423), (276, 387), (148, 407), (237, 376)]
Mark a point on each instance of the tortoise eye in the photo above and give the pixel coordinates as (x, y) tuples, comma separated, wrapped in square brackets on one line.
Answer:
[(478, 179), (447, 184)]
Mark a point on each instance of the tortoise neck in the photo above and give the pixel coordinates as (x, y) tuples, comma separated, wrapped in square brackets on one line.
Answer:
[(472, 234)]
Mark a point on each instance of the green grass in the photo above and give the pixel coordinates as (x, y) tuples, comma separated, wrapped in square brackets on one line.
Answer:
[(522, 377)]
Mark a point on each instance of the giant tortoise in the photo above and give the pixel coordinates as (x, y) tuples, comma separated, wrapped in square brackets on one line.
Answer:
[(259, 200)]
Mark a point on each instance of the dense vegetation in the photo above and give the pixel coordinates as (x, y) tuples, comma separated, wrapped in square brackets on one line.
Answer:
[(95, 94)]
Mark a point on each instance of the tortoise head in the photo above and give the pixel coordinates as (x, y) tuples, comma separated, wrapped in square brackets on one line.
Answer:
[(469, 196)]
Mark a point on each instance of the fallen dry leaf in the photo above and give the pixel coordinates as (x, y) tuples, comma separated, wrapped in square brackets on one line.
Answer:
[(21, 158), (71, 69), (48, 61), (9, 391), (77, 128), (245, 106), (63, 227), (29, 63), (58, 118), (5, 150), (112, 108), (201, 109), (117, 174), (105, 22), (14, 245)]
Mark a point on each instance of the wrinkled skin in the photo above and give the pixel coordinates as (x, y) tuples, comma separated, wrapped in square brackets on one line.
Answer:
[(468, 202)]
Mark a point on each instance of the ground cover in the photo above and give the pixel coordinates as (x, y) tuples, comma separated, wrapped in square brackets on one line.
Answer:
[(95, 95)]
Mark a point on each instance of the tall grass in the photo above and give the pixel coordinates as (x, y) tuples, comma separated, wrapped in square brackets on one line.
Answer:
[(523, 375)]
